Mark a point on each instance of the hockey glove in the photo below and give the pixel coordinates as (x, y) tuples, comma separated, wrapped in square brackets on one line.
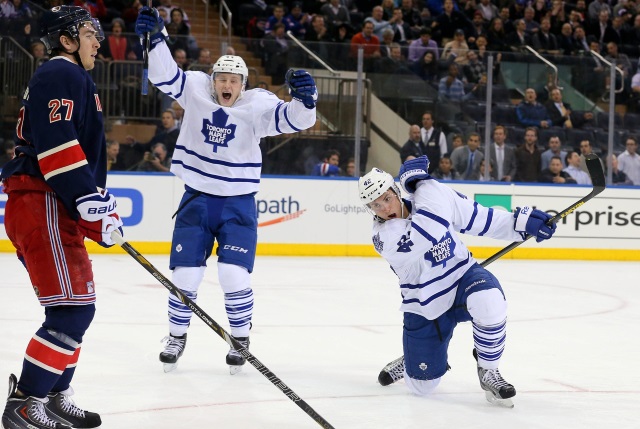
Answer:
[(302, 87), (534, 222), (98, 217), (149, 21), (412, 171)]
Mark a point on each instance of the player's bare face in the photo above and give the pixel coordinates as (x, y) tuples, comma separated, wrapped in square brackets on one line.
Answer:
[(388, 206), (89, 45), (227, 87)]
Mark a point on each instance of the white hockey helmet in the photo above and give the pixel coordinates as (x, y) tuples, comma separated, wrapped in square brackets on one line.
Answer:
[(231, 64), (375, 183)]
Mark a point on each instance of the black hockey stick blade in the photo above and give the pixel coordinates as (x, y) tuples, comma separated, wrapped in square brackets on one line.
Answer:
[(262, 369), (597, 180)]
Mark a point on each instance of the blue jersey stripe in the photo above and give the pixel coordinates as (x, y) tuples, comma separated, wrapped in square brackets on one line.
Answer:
[(424, 233), (278, 117), (287, 119), (214, 176), (437, 218), (440, 277), (488, 224), (217, 161), (170, 82), (473, 218)]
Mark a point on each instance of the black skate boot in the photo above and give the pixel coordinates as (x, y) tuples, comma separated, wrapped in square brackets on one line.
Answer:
[(497, 390), (26, 412), (234, 359), (173, 349), (62, 408), (393, 372)]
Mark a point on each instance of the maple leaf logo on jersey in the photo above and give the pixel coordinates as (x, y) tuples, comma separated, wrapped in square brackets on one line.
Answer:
[(377, 243), (405, 243), (216, 131), (442, 251)]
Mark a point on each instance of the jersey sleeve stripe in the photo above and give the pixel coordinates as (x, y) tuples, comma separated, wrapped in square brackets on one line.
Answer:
[(170, 82), (432, 216), (61, 158), (278, 118), (424, 233), (288, 121), (184, 82), (488, 223), (473, 218)]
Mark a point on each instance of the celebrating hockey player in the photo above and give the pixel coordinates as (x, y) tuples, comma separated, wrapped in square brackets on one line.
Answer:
[(218, 157), (57, 197), (441, 283)]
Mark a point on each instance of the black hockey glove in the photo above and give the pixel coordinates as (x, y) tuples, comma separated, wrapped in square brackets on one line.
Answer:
[(302, 87)]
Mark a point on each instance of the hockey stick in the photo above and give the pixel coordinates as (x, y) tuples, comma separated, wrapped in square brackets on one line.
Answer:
[(598, 181), (145, 61), (262, 369)]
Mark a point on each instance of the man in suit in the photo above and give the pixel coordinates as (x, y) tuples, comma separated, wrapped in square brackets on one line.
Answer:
[(434, 140), (561, 114), (502, 156), (414, 147), (466, 159)]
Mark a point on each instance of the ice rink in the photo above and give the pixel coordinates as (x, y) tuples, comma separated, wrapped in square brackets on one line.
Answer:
[(326, 326)]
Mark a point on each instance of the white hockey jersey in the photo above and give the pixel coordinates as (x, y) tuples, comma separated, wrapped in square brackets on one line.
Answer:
[(425, 250), (218, 149)]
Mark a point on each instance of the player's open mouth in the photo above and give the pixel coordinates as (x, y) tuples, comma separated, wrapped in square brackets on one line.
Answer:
[(226, 95), (392, 215)]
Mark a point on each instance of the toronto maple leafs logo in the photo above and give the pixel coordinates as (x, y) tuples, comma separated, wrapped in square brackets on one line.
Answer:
[(216, 131), (442, 251), (405, 243), (377, 243)]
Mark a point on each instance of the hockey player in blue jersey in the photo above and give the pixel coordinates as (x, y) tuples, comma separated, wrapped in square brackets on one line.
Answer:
[(57, 197), (218, 157), (440, 281)]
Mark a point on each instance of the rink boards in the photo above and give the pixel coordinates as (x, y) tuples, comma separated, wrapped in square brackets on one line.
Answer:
[(312, 216)]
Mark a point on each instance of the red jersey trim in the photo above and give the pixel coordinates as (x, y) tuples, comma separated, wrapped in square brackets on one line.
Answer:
[(61, 159)]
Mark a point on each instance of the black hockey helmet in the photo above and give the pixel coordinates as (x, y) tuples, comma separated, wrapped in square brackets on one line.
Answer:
[(66, 19)]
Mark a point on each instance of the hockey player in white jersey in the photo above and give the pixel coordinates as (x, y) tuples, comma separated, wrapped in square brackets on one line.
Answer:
[(440, 281), (218, 157)]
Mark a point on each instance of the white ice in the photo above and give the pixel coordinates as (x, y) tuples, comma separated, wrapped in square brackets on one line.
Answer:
[(326, 326)]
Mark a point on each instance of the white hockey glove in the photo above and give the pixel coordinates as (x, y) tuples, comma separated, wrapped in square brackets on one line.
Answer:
[(98, 217), (534, 222)]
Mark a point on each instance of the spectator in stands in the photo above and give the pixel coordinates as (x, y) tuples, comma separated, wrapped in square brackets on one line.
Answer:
[(554, 173), (157, 160), (7, 13), (350, 168), (180, 57), (203, 62), (427, 67), (445, 170), (487, 10), (8, 152), (317, 31), (508, 20), (414, 147), (401, 29), (629, 160), (329, 165), (422, 44), (394, 64), (601, 28), (96, 8), (117, 46), (178, 113), (519, 38), (483, 55), (528, 157), (587, 149), (387, 9), (482, 172), (555, 149), (531, 25), (544, 41), (379, 24), (411, 15), (497, 37), (466, 159), (622, 62), (113, 149), (369, 42), (558, 16), (450, 88), (474, 69), (631, 35), (335, 14), (38, 52), (580, 40), (177, 17), (618, 177), (434, 139), (573, 168), (634, 96), (561, 115), (595, 7), (275, 53), (456, 142), (165, 9), (385, 43), (277, 17), (341, 46), (456, 50), (177, 42), (566, 42), (478, 28), (502, 155), (22, 11), (167, 133), (448, 22), (531, 113), (297, 20)]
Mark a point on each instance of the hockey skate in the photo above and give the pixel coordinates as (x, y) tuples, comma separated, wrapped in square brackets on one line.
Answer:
[(393, 372), (26, 412), (497, 390), (234, 359), (62, 408), (173, 349)]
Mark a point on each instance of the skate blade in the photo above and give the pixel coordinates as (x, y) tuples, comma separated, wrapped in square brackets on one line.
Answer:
[(234, 369), (505, 403), (168, 367)]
